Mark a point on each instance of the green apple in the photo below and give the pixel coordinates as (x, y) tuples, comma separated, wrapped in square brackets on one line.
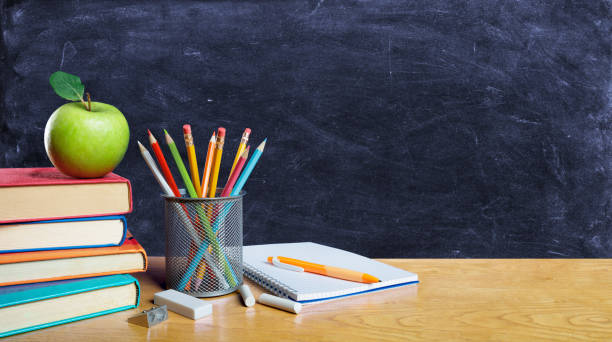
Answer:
[(86, 144)]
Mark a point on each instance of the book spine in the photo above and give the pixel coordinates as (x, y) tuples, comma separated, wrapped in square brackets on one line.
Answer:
[(271, 284)]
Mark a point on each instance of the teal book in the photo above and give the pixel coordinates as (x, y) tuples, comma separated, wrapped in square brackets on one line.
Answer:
[(35, 306)]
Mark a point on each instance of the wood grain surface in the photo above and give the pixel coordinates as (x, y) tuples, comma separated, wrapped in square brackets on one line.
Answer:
[(457, 300)]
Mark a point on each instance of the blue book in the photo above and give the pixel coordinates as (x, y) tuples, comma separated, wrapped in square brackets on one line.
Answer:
[(35, 306), (101, 231)]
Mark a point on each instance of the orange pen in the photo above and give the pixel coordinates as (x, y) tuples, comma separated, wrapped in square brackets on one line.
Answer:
[(330, 271)]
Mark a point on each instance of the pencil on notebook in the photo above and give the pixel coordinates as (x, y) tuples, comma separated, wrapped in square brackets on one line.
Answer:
[(192, 159), (163, 164)]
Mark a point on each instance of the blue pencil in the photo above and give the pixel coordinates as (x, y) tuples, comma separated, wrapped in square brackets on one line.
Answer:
[(248, 169)]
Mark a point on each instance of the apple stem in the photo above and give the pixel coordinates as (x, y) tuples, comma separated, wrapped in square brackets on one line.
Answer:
[(83, 102), (89, 102)]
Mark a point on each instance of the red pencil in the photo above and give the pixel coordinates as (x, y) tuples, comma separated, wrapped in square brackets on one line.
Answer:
[(162, 163), (232, 180)]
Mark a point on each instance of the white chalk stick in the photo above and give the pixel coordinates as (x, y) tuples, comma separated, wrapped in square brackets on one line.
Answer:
[(183, 304), (247, 295), (280, 303)]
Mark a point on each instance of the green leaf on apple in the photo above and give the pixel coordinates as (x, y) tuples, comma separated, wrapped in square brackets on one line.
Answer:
[(67, 86)]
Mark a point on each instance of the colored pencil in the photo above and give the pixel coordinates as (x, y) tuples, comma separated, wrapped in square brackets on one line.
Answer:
[(179, 163), (208, 165), (243, 142), (151, 164), (192, 159), (248, 168), (235, 173), (214, 177), (163, 164)]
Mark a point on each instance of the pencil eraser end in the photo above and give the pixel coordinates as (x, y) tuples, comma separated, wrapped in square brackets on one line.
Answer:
[(221, 132), (183, 304), (187, 129), (247, 130)]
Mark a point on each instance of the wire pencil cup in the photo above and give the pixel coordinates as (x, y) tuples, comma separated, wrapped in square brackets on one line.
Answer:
[(203, 244)]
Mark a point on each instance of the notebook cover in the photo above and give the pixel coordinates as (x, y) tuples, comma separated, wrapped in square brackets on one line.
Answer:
[(14, 295), (40, 176), (130, 245), (97, 218)]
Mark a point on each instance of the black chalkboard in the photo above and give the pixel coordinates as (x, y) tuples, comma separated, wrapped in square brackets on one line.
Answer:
[(395, 128)]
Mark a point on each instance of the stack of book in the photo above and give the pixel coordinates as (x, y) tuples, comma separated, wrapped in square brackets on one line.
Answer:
[(64, 249)]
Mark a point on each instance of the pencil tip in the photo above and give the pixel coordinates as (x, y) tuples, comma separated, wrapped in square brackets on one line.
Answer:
[(152, 139), (166, 132), (140, 145), (169, 139), (262, 145), (149, 131)]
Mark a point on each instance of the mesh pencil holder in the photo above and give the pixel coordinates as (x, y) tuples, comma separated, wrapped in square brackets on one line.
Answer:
[(203, 244)]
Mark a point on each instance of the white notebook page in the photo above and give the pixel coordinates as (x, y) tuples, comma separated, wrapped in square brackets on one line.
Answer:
[(308, 286)]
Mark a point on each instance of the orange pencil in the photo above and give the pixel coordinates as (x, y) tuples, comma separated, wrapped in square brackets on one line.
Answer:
[(162, 163), (208, 165), (234, 176)]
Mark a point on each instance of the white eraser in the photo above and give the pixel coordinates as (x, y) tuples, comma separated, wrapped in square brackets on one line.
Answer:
[(280, 303), (183, 304), (247, 295)]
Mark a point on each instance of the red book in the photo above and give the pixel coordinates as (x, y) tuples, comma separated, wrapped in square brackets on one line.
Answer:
[(35, 194)]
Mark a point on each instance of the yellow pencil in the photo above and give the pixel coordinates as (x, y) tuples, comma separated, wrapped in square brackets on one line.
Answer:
[(193, 162), (214, 176), (241, 147)]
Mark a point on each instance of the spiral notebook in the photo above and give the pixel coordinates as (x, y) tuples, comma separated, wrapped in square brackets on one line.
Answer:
[(307, 287)]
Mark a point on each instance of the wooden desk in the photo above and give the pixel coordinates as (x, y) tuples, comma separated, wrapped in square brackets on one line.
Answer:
[(457, 300)]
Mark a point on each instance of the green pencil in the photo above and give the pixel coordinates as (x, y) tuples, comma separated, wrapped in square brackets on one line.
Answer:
[(179, 163)]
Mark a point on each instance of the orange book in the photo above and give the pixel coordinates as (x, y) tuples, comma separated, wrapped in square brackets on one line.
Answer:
[(39, 266)]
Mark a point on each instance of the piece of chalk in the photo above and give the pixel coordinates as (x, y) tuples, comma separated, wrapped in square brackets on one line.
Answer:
[(280, 303), (183, 304), (247, 295)]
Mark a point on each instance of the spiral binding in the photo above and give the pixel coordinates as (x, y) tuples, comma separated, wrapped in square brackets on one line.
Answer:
[(269, 283)]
